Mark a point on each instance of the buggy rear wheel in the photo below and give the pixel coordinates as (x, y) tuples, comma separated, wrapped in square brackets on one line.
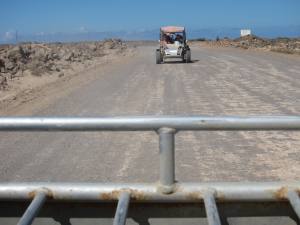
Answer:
[(158, 57), (187, 56)]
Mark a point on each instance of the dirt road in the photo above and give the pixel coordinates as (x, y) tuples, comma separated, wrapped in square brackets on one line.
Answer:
[(218, 82)]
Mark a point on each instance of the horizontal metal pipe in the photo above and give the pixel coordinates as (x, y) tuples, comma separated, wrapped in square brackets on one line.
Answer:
[(148, 123), (183, 192)]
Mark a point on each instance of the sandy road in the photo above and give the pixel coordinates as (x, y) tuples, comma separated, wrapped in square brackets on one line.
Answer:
[(218, 82)]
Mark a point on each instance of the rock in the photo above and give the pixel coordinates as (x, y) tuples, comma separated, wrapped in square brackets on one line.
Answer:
[(9, 65), (17, 53), (14, 53), (112, 43), (53, 67), (27, 51), (61, 74), (94, 48), (2, 66), (283, 45), (3, 82), (42, 59), (2, 63), (69, 56), (55, 56)]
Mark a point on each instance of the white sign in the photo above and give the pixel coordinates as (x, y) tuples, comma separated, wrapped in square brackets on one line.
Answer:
[(245, 32)]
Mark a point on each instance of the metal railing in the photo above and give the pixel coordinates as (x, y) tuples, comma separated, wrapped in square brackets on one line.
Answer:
[(213, 196)]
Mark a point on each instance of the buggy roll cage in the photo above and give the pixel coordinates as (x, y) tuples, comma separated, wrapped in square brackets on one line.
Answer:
[(172, 29)]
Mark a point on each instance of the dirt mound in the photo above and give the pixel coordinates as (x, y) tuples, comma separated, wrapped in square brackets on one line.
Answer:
[(41, 59), (251, 41), (284, 45)]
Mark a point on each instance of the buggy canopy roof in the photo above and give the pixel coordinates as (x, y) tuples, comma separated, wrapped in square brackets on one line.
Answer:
[(172, 29)]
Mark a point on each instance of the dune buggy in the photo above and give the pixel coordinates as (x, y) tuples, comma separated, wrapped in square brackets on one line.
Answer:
[(173, 44)]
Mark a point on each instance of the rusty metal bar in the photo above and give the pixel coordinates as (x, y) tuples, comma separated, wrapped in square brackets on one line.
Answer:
[(148, 123), (167, 159), (183, 192), (294, 200), (33, 209), (211, 209), (122, 209)]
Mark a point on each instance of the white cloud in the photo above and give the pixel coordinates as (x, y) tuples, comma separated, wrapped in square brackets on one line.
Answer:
[(9, 35), (83, 29), (40, 33)]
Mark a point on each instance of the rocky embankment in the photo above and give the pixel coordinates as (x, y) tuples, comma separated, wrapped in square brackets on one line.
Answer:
[(37, 59), (283, 45)]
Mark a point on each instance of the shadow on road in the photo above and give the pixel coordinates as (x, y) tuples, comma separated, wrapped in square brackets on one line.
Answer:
[(180, 62)]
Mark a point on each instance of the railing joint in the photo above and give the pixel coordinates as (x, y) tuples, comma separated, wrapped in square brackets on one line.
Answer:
[(166, 130)]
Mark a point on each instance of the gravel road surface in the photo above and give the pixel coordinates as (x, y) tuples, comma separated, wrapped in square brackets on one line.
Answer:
[(217, 82)]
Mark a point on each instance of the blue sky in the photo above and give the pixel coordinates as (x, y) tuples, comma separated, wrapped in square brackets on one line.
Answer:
[(36, 16)]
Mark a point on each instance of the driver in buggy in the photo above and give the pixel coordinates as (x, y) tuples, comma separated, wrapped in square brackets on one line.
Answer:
[(179, 38), (168, 39)]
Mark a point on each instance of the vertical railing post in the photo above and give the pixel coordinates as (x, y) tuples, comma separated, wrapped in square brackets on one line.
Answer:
[(122, 209), (211, 208), (33, 209), (167, 159), (294, 200)]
